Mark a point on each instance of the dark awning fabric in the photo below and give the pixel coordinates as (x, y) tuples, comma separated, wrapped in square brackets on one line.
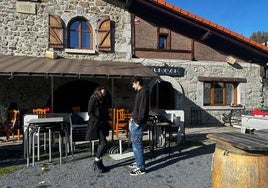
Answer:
[(41, 66)]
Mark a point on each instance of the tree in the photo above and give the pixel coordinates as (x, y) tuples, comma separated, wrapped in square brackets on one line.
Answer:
[(259, 36)]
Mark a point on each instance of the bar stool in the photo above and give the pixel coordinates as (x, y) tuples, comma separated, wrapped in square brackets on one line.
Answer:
[(196, 116), (41, 112), (53, 128)]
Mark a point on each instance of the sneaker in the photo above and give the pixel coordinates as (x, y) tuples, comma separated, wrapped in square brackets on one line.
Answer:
[(97, 167), (133, 165), (137, 171), (104, 168)]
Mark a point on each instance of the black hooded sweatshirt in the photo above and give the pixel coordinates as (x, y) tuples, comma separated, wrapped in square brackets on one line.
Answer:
[(141, 107)]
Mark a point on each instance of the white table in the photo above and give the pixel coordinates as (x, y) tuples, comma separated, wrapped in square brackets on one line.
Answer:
[(253, 123), (177, 118)]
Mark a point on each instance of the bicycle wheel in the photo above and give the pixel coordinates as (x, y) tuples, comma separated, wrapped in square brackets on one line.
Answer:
[(161, 141), (235, 119), (225, 118)]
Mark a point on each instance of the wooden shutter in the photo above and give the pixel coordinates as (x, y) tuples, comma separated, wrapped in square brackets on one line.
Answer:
[(104, 35), (55, 32)]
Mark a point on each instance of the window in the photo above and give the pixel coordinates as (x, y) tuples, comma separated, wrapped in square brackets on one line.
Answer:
[(220, 93), (80, 34), (162, 43)]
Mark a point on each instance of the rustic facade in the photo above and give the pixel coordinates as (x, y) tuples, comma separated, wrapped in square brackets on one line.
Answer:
[(27, 29)]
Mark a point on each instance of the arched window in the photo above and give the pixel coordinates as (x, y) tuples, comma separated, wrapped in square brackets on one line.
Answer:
[(80, 35)]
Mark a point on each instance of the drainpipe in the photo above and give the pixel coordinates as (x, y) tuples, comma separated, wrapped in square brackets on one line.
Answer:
[(52, 94)]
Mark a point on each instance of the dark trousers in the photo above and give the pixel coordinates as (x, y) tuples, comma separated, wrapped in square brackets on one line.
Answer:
[(102, 144)]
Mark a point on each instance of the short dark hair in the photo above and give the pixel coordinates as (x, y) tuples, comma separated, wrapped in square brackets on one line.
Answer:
[(137, 79), (101, 87)]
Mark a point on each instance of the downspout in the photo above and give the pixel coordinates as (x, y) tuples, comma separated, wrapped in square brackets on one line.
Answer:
[(133, 36), (112, 98), (192, 51), (52, 94)]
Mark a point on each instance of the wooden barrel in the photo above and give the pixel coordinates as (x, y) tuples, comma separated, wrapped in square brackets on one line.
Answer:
[(235, 168)]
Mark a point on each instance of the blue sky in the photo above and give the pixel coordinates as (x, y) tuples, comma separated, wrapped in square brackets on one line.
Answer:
[(241, 16)]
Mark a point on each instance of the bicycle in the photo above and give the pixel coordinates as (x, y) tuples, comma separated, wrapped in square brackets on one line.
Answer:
[(234, 117)]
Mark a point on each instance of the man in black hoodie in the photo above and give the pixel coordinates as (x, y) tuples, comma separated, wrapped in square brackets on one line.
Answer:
[(138, 123)]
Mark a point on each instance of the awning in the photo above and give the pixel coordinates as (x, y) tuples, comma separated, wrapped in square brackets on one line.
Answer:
[(41, 66)]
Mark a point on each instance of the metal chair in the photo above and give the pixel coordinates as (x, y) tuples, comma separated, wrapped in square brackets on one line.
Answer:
[(41, 114), (50, 129), (79, 123)]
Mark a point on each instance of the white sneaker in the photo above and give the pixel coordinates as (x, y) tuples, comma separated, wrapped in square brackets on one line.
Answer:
[(137, 172), (133, 165)]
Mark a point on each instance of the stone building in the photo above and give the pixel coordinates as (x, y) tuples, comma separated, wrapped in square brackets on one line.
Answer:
[(191, 74)]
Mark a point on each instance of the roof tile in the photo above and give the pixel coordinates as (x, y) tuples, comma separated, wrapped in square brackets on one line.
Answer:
[(214, 25)]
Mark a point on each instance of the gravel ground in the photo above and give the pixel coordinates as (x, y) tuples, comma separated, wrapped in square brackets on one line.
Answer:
[(188, 166)]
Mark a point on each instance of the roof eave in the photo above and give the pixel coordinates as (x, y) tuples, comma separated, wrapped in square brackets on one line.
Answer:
[(216, 37)]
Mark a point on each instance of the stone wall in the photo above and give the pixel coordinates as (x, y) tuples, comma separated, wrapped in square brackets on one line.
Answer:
[(25, 33), (190, 90)]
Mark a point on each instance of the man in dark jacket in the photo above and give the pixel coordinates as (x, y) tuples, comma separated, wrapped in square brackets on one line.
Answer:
[(139, 118)]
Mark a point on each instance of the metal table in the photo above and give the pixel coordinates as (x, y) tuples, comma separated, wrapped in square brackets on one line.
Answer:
[(157, 139), (59, 122)]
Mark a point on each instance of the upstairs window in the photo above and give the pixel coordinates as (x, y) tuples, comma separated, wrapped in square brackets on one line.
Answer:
[(80, 34), (162, 41)]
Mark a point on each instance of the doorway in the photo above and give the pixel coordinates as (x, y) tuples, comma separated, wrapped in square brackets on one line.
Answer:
[(75, 93), (163, 96)]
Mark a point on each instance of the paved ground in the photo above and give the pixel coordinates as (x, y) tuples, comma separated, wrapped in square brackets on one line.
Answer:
[(189, 165)]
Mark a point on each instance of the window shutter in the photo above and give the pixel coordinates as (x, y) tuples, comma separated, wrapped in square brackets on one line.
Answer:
[(55, 32), (104, 35)]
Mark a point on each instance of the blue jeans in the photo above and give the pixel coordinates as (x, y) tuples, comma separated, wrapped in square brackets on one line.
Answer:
[(137, 145)]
